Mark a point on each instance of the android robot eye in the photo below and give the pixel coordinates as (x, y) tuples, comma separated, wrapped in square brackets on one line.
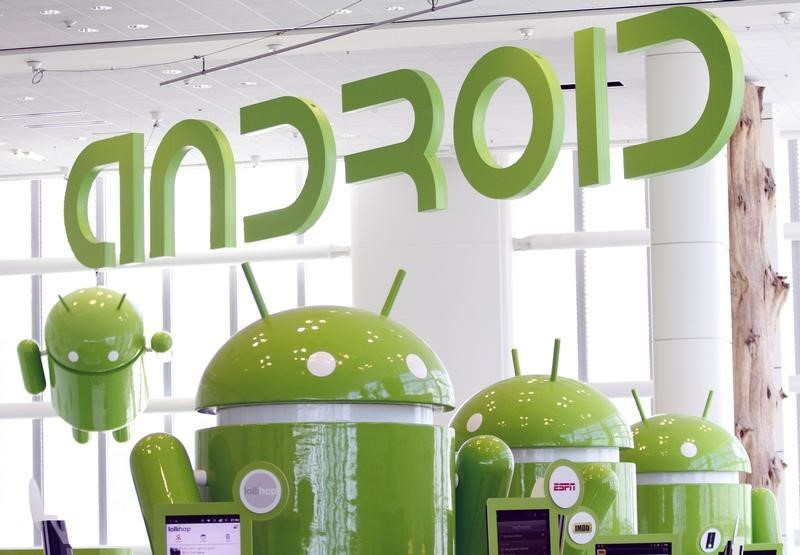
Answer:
[(113, 356), (73, 356)]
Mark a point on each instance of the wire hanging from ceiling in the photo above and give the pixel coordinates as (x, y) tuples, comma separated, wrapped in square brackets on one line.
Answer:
[(38, 72)]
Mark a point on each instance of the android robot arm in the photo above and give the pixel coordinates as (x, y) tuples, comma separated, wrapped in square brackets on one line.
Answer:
[(161, 342), (30, 362)]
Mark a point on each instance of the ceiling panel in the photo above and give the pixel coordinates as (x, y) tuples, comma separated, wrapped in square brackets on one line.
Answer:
[(124, 99)]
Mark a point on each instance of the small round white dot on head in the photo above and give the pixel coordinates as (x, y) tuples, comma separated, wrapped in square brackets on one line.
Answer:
[(416, 365), (321, 363), (688, 449), (113, 356), (73, 356), (474, 422)]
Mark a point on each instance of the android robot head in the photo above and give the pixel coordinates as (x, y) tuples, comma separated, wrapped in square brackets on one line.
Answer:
[(544, 418), (688, 480), (95, 342)]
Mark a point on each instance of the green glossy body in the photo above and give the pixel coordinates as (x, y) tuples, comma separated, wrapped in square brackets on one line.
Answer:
[(621, 516), (690, 509), (98, 401), (766, 517), (354, 488), (484, 465)]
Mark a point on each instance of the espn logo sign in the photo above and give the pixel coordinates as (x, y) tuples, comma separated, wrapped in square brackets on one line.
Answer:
[(564, 486)]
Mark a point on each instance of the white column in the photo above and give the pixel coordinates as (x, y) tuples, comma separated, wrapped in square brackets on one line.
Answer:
[(689, 254), (455, 295)]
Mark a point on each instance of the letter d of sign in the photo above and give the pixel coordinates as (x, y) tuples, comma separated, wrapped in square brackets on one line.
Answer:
[(725, 90), (127, 151), (312, 124)]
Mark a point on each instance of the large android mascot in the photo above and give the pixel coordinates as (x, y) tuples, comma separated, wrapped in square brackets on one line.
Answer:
[(333, 409), (687, 472)]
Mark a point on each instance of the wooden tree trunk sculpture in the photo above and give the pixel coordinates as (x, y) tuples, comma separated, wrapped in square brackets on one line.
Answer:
[(757, 294)]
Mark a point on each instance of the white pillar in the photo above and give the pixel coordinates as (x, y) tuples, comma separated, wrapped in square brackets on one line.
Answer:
[(455, 295), (689, 255)]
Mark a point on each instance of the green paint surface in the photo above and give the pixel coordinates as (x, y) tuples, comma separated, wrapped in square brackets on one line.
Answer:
[(688, 510), (725, 96), (416, 156), (313, 126), (353, 488), (484, 465), (541, 84)]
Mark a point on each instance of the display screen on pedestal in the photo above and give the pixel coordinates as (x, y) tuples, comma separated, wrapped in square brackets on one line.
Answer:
[(202, 528), (523, 531), (521, 526), (642, 544), (202, 534)]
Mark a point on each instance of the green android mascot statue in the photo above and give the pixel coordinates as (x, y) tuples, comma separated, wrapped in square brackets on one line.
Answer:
[(95, 342), (326, 437)]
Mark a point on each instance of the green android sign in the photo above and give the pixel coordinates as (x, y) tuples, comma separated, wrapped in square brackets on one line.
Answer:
[(416, 156)]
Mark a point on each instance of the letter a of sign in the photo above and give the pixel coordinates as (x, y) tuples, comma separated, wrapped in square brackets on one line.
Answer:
[(725, 95), (127, 151)]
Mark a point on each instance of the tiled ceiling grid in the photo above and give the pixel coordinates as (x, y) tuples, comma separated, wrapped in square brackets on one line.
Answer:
[(123, 99)]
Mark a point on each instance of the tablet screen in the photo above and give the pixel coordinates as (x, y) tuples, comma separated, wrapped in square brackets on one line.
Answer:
[(203, 534)]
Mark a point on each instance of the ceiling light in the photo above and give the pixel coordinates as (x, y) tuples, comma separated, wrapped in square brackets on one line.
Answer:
[(526, 32), (138, 26), (26, 98), (79, 139), (40, 114), (88, 30), (28, 154), (101, 8), (348, 135), (341, 11), (49, 12), (248, 83), (787, 17), (201, 86), (274, 46), (172, 71), (65, 124), (394, 8)]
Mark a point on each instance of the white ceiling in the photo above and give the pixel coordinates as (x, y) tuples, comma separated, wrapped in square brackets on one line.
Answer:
[(445, 44)]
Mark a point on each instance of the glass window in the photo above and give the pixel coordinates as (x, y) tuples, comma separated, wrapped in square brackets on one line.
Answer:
[(617, 206), (125, 524), (617, 316), (70, 487), (16, 529), (548, 209), (544, 308)]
